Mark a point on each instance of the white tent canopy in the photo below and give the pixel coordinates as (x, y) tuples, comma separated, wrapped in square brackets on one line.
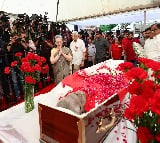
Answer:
[(76, 9), (128, 17)]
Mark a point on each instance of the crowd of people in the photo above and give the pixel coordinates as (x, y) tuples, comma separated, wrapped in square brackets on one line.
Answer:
[(65, 51), (25, 34)]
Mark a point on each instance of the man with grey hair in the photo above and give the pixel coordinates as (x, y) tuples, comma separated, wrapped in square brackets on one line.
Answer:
[(60, 58), (78, 49)]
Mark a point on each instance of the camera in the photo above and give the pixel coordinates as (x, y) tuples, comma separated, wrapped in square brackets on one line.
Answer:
[(20, 20), (58, 28), (4, 19)]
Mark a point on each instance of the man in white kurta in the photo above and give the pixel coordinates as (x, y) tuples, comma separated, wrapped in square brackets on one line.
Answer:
[(156, 30), (152, 44), (150, 50), (78, 49)]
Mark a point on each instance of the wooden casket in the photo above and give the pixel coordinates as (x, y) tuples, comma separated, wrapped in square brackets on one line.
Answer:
[(59, 125)]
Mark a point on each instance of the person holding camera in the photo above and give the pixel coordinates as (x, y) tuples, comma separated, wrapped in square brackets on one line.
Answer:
[(17, 44)]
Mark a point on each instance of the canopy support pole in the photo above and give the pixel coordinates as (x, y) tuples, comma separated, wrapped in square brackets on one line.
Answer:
[(144, 18), (2, 5), (57, 10)]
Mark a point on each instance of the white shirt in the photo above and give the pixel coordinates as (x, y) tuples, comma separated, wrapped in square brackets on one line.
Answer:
[(77, 48), (157, 42), (152, 49), (91, 50)]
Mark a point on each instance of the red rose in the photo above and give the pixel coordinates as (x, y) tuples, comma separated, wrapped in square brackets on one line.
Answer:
[(137, 73), (155, 104), (135, 88), (125, 66), (129, 113), (138, 104), (37, 58), (149, 83), (7, 70), (19, 54), (145, 61), (37, 67), (43, 59), (30, 56), (26, 67), (144, 135), (30, 80), (14, 63), (24, 60), (155, 66), (148, 89)]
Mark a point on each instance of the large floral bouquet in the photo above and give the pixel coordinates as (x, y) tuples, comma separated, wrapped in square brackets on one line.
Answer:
[(30, 66), (144, 105)]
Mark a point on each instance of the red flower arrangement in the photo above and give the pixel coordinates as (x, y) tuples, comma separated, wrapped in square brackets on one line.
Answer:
[(31, 66), (144, 106)]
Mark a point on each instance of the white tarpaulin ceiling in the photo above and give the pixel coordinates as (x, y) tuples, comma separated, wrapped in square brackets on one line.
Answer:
[(79, 9), (128, 17)]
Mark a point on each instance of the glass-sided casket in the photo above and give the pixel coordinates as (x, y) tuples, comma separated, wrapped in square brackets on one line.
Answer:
[(60, 125)]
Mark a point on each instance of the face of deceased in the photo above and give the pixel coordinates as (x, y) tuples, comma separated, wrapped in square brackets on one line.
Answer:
[(74, 101)]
